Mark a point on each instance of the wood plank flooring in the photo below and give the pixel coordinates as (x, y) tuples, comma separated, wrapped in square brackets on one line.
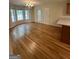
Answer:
[(38, 41)]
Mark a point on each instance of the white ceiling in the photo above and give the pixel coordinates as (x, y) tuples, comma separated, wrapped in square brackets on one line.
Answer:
[(22, 2)]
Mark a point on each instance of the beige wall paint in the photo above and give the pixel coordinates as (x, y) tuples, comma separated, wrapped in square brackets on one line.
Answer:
[(50, 12)]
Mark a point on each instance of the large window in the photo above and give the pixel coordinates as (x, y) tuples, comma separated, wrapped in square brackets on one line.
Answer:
[(18, 15), (27, 14), (39, 15), (13, 17)]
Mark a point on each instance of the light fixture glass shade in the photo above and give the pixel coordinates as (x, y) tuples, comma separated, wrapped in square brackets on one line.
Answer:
[(30, 3)]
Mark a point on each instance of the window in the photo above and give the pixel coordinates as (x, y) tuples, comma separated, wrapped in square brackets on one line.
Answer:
[(27, 14), (20, 15), (39, 14), (13, 17)]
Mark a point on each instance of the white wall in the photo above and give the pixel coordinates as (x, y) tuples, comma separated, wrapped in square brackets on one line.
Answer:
[(50, 12)]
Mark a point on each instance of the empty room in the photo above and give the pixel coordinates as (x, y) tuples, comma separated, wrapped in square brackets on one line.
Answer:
[(39, 29)]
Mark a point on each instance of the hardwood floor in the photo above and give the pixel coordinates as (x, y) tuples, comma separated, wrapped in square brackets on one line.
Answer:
[(38, 41)]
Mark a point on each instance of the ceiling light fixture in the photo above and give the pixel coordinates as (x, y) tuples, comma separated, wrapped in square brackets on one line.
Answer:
[(30, 3)]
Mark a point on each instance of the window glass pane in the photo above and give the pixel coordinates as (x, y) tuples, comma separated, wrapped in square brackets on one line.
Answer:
[(13, 17), (19, 14), (39, 14), (27, 14)]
